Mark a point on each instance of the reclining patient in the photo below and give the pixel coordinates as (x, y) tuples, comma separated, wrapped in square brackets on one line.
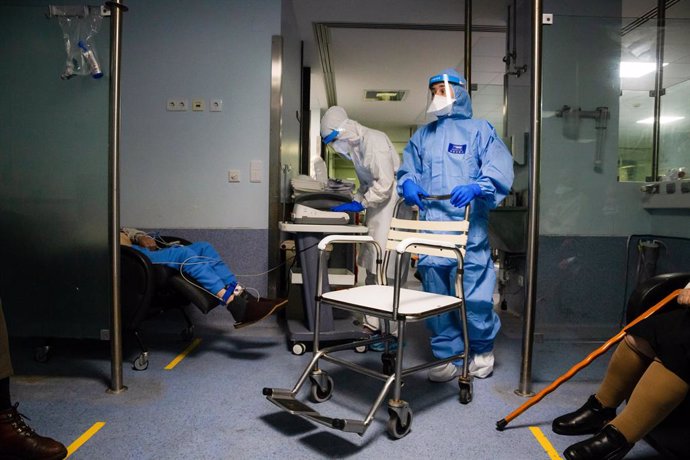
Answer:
[(651, 369), (201, 261)]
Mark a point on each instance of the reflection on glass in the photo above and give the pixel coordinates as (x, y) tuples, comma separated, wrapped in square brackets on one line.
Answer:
[(638, 70)]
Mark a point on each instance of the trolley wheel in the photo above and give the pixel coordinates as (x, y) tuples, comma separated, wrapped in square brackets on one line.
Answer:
[(298, 348), (187, 333), (361, 349), (141, 363), (318, 395), (388, 360), (42, 353), (465, 392), (398, 428)]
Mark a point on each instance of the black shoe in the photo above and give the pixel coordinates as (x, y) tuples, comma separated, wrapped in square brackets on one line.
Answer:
[(256, 310), (608, 444), (20, 441), (588, 419)]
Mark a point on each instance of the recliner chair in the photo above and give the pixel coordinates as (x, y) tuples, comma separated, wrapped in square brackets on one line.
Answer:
[(671, 436), (149, 289)]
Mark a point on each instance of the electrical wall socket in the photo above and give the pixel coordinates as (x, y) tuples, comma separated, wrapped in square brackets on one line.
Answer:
[(233, 175), (177, 105), (216, 105)]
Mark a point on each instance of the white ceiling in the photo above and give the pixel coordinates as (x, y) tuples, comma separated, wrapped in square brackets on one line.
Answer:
[(395, 59), (370, 58)]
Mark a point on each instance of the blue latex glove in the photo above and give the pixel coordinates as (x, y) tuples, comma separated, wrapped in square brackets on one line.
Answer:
[(354, 206), (463, 194), (413, 194)]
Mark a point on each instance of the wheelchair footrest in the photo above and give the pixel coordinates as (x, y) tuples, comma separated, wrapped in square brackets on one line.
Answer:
[(287, 401)]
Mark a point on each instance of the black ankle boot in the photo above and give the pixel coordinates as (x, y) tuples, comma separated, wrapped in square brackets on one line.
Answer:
[(20, 441), (608, 444), (588, 419)]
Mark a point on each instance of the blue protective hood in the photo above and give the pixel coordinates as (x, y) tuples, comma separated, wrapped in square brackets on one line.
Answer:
[(462, 107)]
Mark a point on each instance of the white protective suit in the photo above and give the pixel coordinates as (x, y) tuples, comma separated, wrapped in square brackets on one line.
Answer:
[(376, 163)]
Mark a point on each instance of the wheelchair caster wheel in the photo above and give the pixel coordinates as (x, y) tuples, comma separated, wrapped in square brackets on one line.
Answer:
[(42, 353), (465, 392), (319, 395), (298, 348), (398, 428), (141, 363), (187, 333), (388, 360)]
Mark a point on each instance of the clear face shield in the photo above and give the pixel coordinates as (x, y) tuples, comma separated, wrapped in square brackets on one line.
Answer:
[(335, 143), (441, 95)]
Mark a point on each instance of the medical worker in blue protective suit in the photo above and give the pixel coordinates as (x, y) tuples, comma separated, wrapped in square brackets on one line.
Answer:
[(376, 162), (465, 158)]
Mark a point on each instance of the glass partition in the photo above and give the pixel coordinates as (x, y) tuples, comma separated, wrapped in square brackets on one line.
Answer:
[(54, 280), (588, 210), (638, 72)]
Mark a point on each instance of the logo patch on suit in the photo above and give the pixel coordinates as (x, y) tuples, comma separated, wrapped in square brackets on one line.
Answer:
[(457, 149)]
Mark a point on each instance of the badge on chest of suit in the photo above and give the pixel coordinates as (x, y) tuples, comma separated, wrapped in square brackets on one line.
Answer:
[(457, 149)]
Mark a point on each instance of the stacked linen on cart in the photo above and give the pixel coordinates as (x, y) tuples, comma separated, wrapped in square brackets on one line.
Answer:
[(340, 185), (304, 183)]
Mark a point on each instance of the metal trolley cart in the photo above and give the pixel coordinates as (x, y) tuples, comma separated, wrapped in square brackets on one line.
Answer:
[(392, 303)]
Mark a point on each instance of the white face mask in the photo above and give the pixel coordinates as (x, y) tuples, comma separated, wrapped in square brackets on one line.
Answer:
[(440, 105), (342, 148)]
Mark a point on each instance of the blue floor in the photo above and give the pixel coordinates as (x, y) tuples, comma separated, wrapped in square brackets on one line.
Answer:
[(210, 405)]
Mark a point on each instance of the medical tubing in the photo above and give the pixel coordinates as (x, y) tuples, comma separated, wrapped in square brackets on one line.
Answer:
[(211, 259), (501, 424)]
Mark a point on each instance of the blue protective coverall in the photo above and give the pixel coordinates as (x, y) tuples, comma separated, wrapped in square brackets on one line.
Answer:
[(457, 150), (199, 260)]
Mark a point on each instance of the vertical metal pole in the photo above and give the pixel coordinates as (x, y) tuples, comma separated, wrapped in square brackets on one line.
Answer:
[(525, 388), (274, 169), (116, 10), (506, 75), (468, 45), (658, 85)]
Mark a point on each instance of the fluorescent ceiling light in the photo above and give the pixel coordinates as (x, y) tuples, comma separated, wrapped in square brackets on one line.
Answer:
[(663, 120), (637, 69), (384, 95)]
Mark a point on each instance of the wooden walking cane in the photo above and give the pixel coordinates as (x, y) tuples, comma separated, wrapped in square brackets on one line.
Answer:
[(501, 424)]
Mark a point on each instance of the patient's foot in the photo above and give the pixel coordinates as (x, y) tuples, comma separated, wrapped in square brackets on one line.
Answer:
[(258, 309)]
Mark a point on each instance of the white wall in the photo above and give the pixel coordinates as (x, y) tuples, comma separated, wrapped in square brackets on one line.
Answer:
[(174, 165)]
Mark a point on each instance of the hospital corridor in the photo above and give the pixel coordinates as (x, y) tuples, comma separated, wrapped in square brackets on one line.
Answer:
[(311, 229)]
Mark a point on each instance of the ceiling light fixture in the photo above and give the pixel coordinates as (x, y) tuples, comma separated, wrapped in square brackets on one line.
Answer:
[(637, 69), (663, 120), (384, 95)]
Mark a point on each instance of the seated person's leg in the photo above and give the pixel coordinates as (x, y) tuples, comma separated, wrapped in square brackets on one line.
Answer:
[(186, 259), (624, 371), (205, 249), (17, 439), (202, 266), (657, 393)]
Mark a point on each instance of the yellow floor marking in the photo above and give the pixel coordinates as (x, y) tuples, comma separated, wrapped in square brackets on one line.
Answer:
[(84, 437), (183, 355), (545, 444)]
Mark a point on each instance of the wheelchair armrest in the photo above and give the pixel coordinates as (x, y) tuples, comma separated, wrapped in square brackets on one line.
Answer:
[(137, 284), (344, 239)]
